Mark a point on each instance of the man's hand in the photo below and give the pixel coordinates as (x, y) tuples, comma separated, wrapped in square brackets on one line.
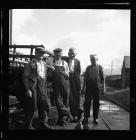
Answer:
[(65, 74), (82, 91), (29, 93), (102, 91), (51, 67)]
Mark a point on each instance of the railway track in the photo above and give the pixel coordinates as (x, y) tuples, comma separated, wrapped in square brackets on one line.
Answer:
[(117, 103), (101, 116), (106, 121), (15, 108)]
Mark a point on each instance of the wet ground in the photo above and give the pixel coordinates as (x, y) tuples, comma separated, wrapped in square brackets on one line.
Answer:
[(118, 119)]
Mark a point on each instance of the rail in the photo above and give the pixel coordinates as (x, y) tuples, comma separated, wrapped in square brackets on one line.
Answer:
[(105, 121)]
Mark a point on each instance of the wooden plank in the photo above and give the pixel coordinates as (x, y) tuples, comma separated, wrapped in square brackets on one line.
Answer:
[(25, 46), (30, 47), (21, 55)]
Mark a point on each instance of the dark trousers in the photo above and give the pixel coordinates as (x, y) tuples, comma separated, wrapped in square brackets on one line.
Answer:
[(61, 96), (52, 98), (74, 107), (38, 101), (75, 91), (91, 95)]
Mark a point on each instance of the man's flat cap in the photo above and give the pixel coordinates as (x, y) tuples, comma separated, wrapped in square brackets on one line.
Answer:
[(57, 50), (40, 49)]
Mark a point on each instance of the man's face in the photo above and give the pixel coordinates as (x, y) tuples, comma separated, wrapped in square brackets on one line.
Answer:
[(39, 54), (93, 59), (72, 54), (57, 55)]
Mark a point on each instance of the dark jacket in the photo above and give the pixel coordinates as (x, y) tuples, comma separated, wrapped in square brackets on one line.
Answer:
[(100, 76), (77, 70)]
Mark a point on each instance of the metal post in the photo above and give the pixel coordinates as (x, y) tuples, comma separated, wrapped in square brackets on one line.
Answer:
[(111, 67), (10, 27)]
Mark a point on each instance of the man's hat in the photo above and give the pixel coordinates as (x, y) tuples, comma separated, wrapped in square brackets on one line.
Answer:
[(40, 49), (57, 50), (94, 56), (72, 49)]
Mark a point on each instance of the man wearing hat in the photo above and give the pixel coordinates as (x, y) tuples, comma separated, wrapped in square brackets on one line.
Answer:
[(94, 84), (36, 90), (61, 85)]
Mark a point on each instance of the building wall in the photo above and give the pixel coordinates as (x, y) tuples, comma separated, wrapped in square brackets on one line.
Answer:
[(125, 78)]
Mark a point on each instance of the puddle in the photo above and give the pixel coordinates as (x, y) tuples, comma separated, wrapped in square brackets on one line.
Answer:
[(107, 106)]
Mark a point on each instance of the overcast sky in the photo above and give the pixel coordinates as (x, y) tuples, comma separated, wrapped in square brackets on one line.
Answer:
[(102, 32)]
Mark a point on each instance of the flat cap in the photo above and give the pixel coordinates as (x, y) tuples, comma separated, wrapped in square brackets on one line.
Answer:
[(40, 49), (72, 49), (93, 56), (57, 50)]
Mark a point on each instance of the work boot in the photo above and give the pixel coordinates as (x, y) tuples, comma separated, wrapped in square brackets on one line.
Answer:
[(79, 114), (85, 127), (31, 128), (85, 121), (74, 119), (61, 121), (70, 118), (95, 122), (45, 126)]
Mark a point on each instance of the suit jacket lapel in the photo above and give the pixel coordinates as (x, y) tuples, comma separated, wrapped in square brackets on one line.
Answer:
[(75, 64)]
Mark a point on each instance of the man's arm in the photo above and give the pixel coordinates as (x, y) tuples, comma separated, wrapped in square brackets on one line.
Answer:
[(102, 75), (78, 67), (102, 79), (84, 81), (25, 80), (66, 73), (51, 67), (49, 63)]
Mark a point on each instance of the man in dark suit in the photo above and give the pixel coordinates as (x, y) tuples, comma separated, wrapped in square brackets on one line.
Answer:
[(75, 85)]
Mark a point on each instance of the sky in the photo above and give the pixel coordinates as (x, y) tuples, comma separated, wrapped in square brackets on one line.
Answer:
[(105, 32)]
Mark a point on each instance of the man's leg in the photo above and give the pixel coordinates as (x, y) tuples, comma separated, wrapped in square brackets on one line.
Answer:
[(87, 106), (52, 98), (96, 105), (29, 113), (58, 102), (43, 105)]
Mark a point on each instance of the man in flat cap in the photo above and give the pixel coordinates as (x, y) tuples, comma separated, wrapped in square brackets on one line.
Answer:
[(75, 85), (94, 84), (61, 85), (36, 90)]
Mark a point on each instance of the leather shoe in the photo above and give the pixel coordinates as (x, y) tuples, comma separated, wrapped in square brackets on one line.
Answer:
[(95, 122), (85, 121), (74, 120), (31, 128), (45, 126), (80, 114), (61, 123)]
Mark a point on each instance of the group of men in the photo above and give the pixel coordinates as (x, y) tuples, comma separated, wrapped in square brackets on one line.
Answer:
[(66, 88)]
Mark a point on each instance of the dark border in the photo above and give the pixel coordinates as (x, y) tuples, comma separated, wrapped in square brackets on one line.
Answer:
[(64, 4), (42, 4)]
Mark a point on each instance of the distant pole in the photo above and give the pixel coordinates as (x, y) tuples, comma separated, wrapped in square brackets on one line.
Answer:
[(10, 27), (111, 67)]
